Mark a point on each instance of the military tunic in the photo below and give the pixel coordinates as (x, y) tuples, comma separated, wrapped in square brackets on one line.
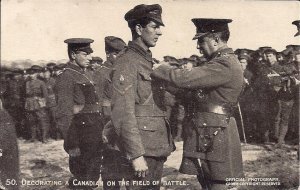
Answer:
[(35, 105), (77, 97), (114, 165), (67, 97), (138, 110), (212, 137)]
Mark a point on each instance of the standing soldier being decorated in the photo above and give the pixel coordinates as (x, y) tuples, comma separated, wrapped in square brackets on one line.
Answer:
[(138, 110), (212, 149)]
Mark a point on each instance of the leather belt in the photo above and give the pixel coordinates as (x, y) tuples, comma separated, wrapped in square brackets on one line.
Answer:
[(225, 109)]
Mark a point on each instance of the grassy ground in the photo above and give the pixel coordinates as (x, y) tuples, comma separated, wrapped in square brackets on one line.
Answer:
[(49, 162)]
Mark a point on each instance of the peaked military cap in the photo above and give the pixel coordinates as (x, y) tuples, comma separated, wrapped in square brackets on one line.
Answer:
[(50, 65), (297, 23), (17, 71), (37, 68), (114, 44), (97, 60), (270, 50), (30, 71), (210, 25), (142, 11), (243, 54), (263, 48), (80, 44)]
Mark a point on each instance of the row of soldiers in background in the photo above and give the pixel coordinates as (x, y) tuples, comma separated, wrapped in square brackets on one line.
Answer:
[(270, 99), (28, 96)]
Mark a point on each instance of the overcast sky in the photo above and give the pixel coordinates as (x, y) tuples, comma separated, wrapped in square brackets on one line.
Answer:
[(36, 29)]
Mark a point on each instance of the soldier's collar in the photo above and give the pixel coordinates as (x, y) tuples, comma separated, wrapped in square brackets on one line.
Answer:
[(222, 52), (147, 54), (75, 67)]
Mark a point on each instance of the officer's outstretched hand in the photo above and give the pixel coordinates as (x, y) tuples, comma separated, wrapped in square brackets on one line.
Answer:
[(74, 152), (140, 167)]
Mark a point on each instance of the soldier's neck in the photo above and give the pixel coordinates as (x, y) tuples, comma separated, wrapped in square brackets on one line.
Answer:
[(140, 42)]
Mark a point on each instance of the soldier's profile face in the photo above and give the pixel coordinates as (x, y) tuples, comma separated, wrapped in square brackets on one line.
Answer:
[(150, 34), (82, 58), (205, 45)]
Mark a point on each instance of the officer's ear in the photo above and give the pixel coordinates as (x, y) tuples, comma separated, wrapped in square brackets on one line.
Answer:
[(72, 55)]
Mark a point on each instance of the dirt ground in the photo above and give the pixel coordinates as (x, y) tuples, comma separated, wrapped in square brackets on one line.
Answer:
[(275, 168)]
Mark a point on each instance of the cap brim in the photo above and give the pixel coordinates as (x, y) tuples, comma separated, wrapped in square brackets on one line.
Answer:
[(297, 34), (198, 35), (159, 21), (247, 57)]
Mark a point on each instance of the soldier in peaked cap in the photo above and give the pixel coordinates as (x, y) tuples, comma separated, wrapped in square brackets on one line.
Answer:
[(79, 114), (297, 23), (212, 149), (112, 161), (138, 110)]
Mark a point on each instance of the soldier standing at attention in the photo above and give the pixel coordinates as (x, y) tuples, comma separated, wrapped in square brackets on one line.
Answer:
[(35, 105), (212, 149), (138, 110), (50, 102), (113, 161), (79, 51), (78, 100)]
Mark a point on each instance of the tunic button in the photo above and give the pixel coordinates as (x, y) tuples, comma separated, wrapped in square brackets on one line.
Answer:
[(145, 127), (97, 102), (83, 122), (83, 84), (204, 124), (161, 87)]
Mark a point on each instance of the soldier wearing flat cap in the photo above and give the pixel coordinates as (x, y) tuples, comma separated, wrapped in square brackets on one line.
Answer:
[(112, 159), (79, 114), (35, 105), (138, 110), (212, 149)]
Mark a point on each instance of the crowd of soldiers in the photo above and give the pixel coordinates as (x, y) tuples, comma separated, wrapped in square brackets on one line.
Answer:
[(268, 103), (119, 118), (28, 96)]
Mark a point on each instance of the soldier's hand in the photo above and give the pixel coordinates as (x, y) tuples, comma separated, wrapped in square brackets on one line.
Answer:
[(140, 167), (74, 152)]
